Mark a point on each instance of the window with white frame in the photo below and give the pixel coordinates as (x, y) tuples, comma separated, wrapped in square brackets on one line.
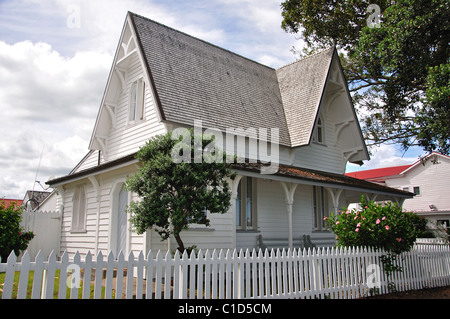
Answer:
[(137, 101), (318, 135), (79, 209), (320, 209), (245, 205)]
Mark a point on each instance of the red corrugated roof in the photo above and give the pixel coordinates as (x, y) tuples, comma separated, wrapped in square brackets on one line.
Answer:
[(8, 202), (379, 172)]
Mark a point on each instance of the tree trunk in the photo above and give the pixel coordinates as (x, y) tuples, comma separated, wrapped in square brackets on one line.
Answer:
[(179, 242)]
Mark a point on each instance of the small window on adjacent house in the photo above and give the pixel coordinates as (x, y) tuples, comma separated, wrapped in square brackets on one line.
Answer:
[(320, 210), (416, 190), (79, 209), (137, 101)]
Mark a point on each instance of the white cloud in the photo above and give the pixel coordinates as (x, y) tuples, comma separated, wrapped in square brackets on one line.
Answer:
[(38, 84), (47, 101)]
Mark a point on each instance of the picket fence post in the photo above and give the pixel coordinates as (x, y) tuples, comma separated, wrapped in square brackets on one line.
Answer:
[(37, 280)]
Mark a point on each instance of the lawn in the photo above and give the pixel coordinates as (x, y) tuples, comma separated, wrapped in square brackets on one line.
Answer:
[(56, 286)]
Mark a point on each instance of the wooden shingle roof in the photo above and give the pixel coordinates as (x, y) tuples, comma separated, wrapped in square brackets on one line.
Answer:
[(302, 84), (196, 80)]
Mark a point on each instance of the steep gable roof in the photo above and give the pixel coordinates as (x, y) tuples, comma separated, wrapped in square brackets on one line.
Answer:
[(194, 79), (302, 85)]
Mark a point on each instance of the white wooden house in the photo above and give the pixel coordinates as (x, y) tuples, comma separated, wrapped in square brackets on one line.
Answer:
[(162, 79), (428, 178)]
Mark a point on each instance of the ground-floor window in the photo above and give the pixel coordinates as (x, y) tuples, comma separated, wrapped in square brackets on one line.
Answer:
[(79, 209), (245, 204), (320, 211)]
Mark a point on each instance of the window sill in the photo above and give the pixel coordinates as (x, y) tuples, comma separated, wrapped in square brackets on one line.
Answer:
[(131, 124), (201, 229), (318, 143), (80, 231), (247, 231)]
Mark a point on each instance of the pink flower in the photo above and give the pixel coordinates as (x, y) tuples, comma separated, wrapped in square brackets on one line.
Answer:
[(325, 218), (365, 207), (355, 218), (359, 225), (337, 223), (387, 227), (399, 239), (357, 230), (378, 221), (383, 218)]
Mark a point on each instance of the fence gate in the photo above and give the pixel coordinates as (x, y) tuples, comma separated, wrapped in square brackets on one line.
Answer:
[(46, 227)]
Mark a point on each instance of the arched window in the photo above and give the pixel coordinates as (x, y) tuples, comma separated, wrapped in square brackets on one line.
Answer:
[(133, 102), (79, 209), (137, 101), (318, 136)]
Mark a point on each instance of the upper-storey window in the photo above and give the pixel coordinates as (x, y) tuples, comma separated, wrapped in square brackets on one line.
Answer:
[(133, 102), (137, 101), (318, 135)]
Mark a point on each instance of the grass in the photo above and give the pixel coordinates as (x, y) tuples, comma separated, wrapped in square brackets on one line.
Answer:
[(55, 290)]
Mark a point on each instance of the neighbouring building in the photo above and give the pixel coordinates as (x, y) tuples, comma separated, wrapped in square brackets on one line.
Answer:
[(429, 180)]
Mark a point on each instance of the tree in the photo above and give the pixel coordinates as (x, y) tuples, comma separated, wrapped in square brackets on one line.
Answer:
[(12, 236), (397, 69), (174, 194)]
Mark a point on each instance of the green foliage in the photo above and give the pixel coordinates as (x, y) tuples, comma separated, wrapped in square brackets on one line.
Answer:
[(174, 195), (12, 235), (397, 73), (434, 117), (375, 225)]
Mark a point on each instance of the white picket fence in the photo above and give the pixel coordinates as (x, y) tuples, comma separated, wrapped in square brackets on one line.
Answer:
[(321, 273)]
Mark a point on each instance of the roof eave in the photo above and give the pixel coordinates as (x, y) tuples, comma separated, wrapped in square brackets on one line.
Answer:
[(115, 164)]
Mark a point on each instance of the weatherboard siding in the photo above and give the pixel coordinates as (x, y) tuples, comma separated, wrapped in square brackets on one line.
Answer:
[(433, 180), (126, 138), (326, 157), (272, 218), (99, 213)]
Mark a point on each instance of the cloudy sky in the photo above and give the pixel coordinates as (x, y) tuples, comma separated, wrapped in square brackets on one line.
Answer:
[(55, 57)]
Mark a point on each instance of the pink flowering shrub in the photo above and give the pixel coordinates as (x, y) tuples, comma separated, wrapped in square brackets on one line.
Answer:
[(377, 225)]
